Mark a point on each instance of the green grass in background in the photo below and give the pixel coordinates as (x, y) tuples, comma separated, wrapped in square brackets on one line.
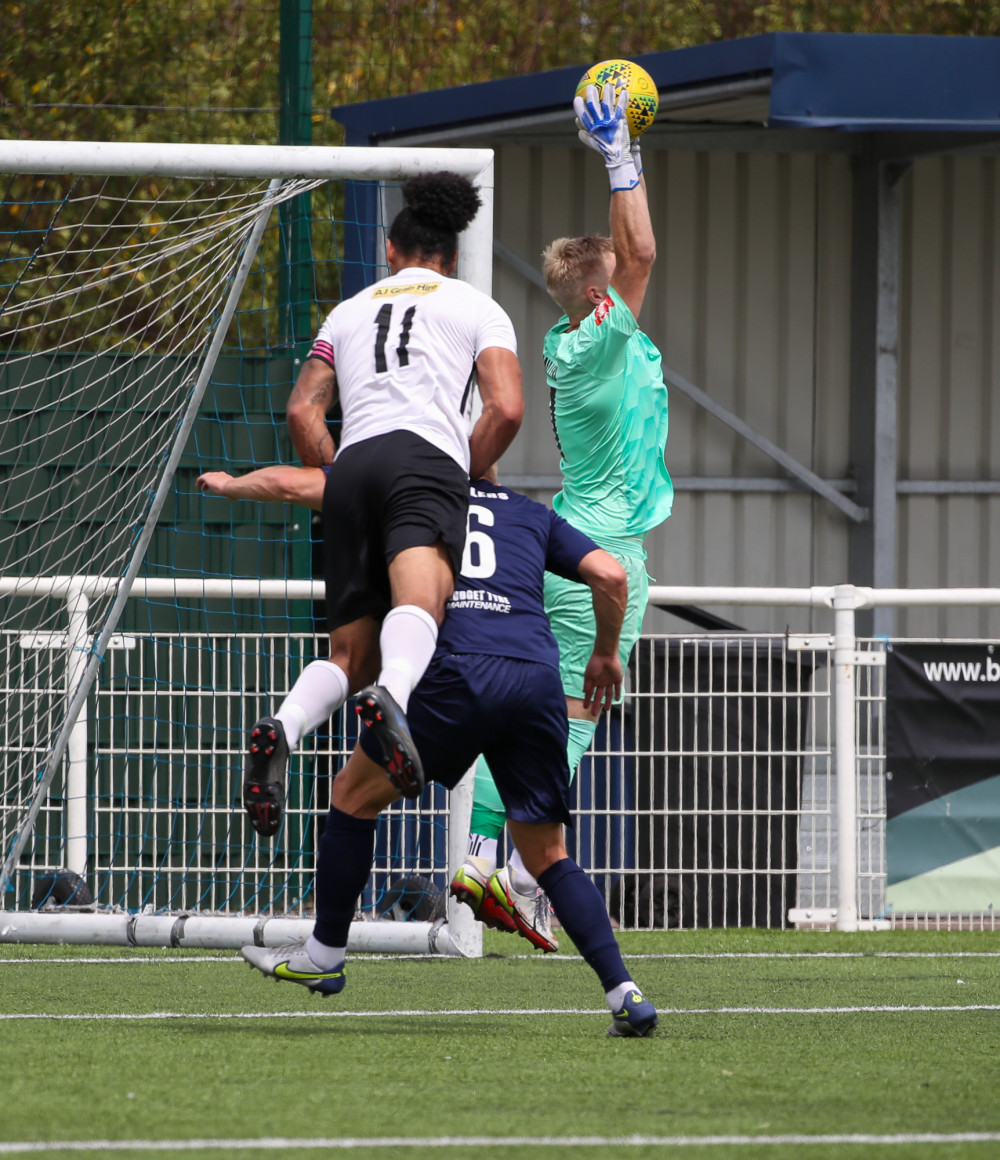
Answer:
[(288, 1066)]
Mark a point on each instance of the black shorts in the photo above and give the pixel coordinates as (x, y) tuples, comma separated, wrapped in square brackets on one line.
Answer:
[(384, 495)]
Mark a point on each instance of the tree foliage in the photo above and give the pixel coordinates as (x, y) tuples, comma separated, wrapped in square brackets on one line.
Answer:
[(207, 70)]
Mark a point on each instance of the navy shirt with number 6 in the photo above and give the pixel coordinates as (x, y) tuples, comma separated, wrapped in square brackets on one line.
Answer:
[(497, 608)]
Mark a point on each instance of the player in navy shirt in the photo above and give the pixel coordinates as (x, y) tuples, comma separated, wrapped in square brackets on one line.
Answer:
[(493, 687)]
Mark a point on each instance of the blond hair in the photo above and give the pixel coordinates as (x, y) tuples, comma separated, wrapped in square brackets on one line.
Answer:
[(570, 264)]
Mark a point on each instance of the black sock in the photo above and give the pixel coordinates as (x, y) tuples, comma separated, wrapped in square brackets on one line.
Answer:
[(346, 852), (581, 911)]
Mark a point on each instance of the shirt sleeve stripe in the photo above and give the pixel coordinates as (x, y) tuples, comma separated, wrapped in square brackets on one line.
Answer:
[(322, 350)]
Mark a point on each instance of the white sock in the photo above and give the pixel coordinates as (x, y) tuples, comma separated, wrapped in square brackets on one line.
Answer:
[(318, 693), (324, 957), (408, 638), (520, 879), (482, 853), (617, 996)]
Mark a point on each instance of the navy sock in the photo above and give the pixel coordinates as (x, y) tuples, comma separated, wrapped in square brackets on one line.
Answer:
[(581, 911), (346, 852)]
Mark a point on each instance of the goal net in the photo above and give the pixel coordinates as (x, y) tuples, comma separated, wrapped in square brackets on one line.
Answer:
[(155, 302)]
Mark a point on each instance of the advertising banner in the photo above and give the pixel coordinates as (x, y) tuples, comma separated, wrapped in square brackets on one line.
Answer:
[(942, 736)]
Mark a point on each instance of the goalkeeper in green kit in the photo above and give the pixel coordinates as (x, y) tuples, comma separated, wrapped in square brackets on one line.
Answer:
[(609, 413)]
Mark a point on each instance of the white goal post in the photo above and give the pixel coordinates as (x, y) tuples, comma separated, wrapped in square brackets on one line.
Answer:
[(142, 302)]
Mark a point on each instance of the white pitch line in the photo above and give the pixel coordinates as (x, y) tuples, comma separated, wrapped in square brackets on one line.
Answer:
[(172, 961), (176, 960), (708, 955), (231, 957), (347, 1144), (822, 955), (148, 1016)]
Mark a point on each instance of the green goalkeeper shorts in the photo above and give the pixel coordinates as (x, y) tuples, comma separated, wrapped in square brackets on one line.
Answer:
[(571, 614)]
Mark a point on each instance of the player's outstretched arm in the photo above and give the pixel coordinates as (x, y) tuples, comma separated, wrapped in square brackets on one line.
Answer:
[(301, 485), (604, 128), (635, 246), (602, 680), (499, 374), (313, 395)]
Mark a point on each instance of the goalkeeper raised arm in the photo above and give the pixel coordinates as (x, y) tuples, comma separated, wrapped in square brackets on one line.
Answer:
[(609, 416)]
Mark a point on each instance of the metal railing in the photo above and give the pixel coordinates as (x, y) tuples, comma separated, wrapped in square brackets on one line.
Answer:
[(740, 783)]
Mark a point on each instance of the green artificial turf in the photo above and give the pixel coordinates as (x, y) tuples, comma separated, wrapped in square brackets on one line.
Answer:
[(513, 1045)]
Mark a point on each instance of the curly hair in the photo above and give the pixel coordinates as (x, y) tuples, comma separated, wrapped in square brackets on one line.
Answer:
[(438, 207), (570, 263)]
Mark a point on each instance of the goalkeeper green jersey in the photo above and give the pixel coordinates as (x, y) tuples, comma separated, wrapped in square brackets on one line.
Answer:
[(609, 412)]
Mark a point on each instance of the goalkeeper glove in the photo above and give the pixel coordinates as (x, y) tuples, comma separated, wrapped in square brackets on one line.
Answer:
[(604, 128), (636, 156)]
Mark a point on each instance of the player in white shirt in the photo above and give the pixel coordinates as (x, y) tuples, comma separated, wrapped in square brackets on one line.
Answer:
[(403, 358), (419, 333)]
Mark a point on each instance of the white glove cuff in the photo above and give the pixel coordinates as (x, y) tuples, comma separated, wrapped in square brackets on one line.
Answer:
[(623, 175)]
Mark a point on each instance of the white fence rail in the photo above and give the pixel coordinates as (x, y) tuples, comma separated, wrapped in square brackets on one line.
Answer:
[(739, 784)]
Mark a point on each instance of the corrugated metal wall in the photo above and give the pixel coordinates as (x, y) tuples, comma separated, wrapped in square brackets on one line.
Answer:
[(949, 413), (750, 301)]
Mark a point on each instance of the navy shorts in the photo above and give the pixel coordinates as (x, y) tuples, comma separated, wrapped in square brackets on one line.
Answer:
[(511, 711), (384, 495)]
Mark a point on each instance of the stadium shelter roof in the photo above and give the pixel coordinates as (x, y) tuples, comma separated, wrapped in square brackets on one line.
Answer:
[(886, 101), (790, 90)]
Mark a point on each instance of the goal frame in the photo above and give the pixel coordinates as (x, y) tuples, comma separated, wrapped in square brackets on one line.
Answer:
[(459, 933)]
